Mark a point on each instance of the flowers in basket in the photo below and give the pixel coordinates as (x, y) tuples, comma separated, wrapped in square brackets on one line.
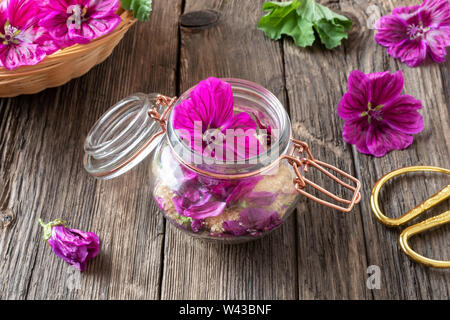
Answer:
[(32, 29)]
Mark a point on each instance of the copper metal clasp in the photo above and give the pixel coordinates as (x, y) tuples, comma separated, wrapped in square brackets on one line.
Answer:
[(162, 101), (303, 164)]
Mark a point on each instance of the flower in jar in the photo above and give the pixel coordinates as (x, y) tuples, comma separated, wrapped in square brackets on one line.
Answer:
[(200, 197), (229, 191), (22, 42), (207, 116), (411, 32), (378, 118), (78, 21), (253, 221), (76, 247), (195, 201)]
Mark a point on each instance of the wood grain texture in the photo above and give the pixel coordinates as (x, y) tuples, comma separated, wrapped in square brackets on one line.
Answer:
[(319, 253), (42, 175), (402, 278), (262, 269), (316, 79), (331, 244)]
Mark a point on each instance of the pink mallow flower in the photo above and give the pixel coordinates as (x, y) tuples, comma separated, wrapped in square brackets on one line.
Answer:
[(208, 115), (378, 118), (76, 247), (22, 42), (410, 33), (253, 221), (78, 21)]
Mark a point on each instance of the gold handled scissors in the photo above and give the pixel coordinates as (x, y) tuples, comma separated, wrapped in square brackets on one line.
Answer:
[(407, 233)]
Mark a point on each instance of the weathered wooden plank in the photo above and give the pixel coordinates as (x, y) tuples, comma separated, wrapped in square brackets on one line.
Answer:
[(318, 254), (331, 251), (339, 249), (402, 278), (42, 175), (265, 268)]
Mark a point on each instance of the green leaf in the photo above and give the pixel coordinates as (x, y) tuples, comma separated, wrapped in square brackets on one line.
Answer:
[(299, 18), (330, 34), (141, 8)]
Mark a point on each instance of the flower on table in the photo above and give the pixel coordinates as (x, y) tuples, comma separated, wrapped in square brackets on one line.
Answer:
[(78, 21), (411, 32), (76, 247), (21, 40), (253, 221), (378, 118)]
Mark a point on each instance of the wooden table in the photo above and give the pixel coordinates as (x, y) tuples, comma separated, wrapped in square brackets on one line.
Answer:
[(319, 253)]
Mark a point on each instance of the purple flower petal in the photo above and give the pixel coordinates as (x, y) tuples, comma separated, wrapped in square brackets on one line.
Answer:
[(55, 23), (350, 107), (260, 198), (381, 139), (437, 41), (391, 30), (406, 12), (213, 100), (437, 13), (355, 101), (94, 28), (196, 224), (234, 227), (411, 52), (14, 56), (210, 209), (22, 14), (411, 32), (388, 118), (184, 119), (240, 120), (46, 42), (243, 187), (401, 114), (102, 9), (188, 174), (160, 202), (253, 221), (355, 132), (19, 30), (183, 202), (76, 247), (78, 21), (385, 87), (210, 108)]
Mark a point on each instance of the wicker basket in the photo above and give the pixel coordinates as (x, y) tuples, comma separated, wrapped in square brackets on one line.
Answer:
[(63, 65)]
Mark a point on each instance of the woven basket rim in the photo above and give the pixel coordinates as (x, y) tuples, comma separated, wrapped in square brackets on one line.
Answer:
[(52, 60)]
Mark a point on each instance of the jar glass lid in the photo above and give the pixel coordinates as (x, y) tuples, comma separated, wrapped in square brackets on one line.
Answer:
[(123, 136)]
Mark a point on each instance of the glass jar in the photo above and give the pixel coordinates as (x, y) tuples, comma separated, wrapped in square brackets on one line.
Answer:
[(229, 201)]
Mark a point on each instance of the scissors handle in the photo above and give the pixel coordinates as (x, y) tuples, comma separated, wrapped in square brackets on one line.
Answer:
[(411, 214), (430, 223), (433, 222)]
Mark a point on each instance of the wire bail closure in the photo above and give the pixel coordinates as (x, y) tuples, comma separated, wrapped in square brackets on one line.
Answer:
[(299, 164), (301, 182), (162, 101)]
